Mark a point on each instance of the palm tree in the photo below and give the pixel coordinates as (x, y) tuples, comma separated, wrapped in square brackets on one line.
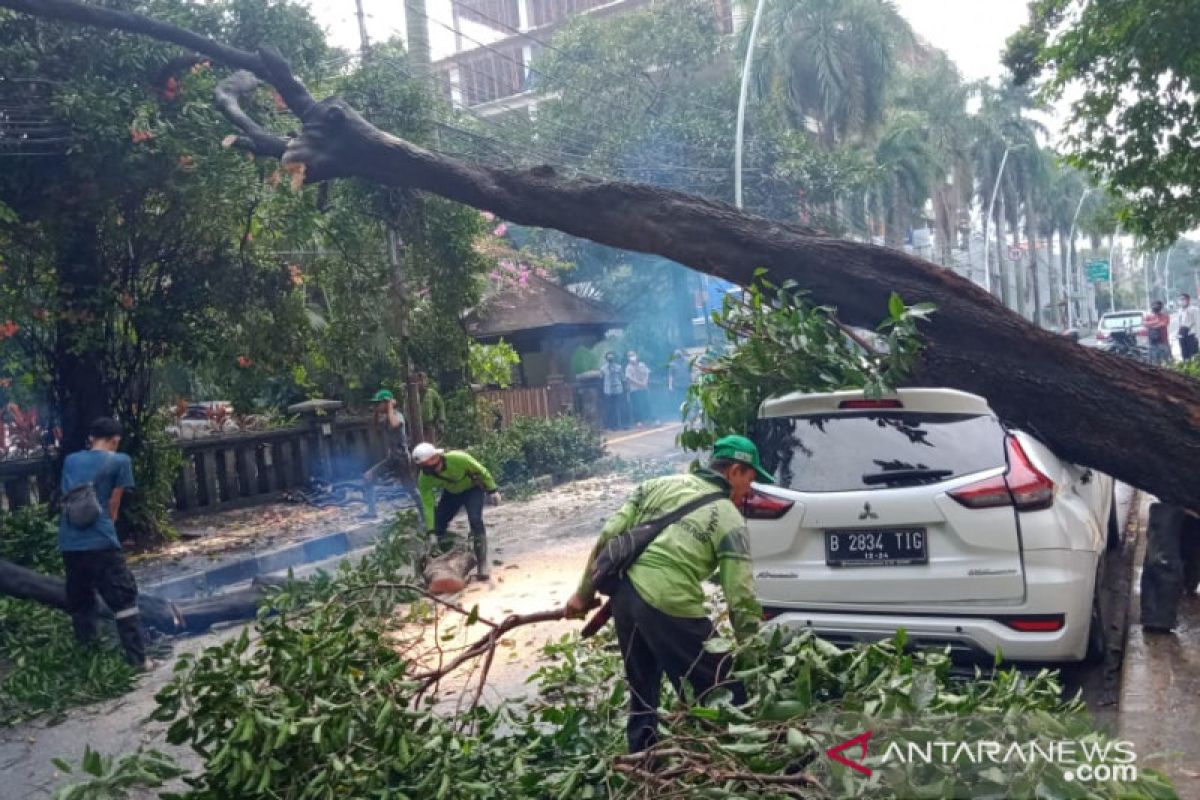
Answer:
[(1002, 124), (936, 91), (829, 61), (907, 166), (1065, 188)]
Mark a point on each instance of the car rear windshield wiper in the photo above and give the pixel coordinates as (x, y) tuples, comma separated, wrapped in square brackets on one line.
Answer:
[(897, 475)]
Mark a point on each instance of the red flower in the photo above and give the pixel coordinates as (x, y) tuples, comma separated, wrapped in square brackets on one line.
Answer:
[(244, 361), (139, 135), (8, 329), (5, 383), (172, 90)]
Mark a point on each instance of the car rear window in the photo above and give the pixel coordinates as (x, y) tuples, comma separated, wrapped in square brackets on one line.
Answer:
[(851, 452), (1121, 321)]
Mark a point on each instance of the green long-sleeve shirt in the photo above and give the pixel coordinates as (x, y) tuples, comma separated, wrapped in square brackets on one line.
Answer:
[(669, 575), (460, 473)]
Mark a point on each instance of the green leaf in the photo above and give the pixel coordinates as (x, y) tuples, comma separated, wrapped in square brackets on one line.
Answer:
[(896, 306)]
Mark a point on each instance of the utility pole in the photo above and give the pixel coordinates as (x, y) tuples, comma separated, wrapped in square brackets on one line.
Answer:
[(364, 42)]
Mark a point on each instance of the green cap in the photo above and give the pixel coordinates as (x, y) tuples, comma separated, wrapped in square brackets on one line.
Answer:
[(741, 449), (381, 395)]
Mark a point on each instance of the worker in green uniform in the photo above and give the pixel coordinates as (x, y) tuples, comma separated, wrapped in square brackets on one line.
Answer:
[(465, 483), (659, 608), (390, 426), (433, 408)]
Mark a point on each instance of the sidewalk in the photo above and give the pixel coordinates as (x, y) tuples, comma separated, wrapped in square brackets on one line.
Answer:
[(1160, 691)]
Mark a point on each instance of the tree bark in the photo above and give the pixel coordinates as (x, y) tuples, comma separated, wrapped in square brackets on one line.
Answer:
[(449, 573), (1138, 423), (167, 617), (78, 358)]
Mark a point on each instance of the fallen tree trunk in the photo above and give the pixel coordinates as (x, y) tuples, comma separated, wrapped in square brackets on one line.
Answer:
[(1130, 420), (449, 573), (164, 616)]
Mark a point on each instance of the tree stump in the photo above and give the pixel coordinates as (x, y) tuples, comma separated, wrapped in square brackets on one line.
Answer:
[(448, 573)]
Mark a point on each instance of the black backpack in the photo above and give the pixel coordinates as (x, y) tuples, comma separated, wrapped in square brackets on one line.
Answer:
[(81, 505)]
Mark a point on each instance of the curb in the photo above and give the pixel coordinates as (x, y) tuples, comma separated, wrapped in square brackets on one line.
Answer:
[(299, 554), (1132, 648)]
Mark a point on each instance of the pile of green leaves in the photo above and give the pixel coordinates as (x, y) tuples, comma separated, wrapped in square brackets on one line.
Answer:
[(326, 706), (531, 447), (778, 342), (42, 669)]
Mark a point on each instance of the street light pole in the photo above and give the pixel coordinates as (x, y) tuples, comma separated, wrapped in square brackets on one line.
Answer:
[(987, 270), (1112, 271), (741, 112), (1076, 284)]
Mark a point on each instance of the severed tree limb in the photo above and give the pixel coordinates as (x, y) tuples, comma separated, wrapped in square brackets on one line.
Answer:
[(487, 644), (228, 98), (1135, 422)]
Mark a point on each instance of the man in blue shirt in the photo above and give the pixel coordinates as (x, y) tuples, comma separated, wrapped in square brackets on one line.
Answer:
[(92, 555)]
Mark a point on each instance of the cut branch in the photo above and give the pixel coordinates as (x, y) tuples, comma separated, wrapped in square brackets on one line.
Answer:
[(229, 96), (1135, 422)]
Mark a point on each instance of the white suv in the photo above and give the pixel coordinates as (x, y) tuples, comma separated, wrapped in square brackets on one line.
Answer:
[(923, 511)]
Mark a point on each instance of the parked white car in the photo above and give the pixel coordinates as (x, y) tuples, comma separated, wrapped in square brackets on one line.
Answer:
[(1132, 321), (923, 511)]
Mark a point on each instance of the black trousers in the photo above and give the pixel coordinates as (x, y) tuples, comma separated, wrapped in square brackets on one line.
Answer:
[(1188, 345), (653, 644), (613, 416), (104, 571), (447, 509)]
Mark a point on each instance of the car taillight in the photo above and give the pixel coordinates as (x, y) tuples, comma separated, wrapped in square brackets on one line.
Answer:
[(858, 405), (1043, 624), (1021, 486), (764, 506)]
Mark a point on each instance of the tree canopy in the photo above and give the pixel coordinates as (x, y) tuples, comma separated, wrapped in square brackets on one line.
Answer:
[(1130, 72)]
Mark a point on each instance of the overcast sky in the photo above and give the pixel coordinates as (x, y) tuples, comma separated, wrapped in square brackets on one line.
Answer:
[(973, 32)]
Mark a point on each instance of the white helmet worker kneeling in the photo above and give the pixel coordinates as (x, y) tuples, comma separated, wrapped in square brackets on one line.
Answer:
[(464, 484)]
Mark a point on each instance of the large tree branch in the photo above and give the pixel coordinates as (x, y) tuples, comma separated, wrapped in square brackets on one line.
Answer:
[(1132, 421), (229, 96), (266, 64)]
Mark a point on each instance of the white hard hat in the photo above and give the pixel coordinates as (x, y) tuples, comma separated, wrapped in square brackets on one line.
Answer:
[(425, 452)]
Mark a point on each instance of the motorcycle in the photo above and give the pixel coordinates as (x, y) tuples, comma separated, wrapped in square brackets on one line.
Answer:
[(1124, 343)]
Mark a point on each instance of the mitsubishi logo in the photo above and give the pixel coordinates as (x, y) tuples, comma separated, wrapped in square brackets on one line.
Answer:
[(867, 513)]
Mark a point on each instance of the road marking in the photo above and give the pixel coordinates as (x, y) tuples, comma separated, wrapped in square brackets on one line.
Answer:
[(640, 434)]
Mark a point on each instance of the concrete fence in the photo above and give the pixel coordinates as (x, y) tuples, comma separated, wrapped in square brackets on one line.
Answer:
[(231, 470)]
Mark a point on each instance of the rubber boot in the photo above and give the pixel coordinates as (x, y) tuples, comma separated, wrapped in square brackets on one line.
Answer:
[(479, 542)]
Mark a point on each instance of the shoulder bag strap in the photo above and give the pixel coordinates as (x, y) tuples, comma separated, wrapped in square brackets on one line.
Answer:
[(666, 521)]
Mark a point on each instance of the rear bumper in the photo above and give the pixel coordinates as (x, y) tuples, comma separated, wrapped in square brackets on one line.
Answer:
[(1060, 584)]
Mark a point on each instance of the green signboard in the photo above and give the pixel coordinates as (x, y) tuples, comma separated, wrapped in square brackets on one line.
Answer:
[(1098, 271)]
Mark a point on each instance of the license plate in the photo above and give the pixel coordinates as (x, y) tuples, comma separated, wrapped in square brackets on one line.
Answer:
[(888, 547)]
